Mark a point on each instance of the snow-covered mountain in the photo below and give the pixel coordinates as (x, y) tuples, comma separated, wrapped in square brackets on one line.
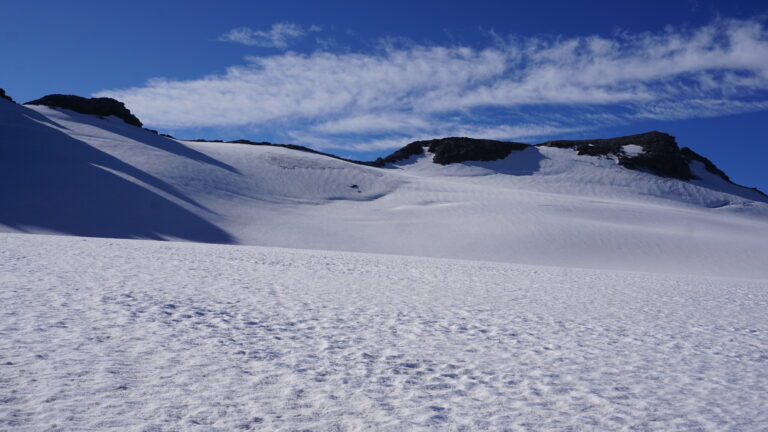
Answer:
[(128, 335), (633, 203)]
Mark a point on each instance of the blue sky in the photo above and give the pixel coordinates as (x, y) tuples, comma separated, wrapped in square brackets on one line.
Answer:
[(360, 79)]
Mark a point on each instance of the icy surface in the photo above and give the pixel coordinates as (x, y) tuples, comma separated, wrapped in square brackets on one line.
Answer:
[(99, 334), (68, 173), (128, 335)]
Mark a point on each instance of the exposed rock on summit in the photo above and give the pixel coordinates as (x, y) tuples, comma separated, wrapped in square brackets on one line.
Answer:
[(653, 151), (93, 106), (660, 153), (454, 150), (690, 156), (5, 96)]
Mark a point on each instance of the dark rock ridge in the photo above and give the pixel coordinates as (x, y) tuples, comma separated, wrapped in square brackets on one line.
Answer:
[(691, 156), (660, 155), (95, 106), (5, 96), (660, 152), (454, 150)]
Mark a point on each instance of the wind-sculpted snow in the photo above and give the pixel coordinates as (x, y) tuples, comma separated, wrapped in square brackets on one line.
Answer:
[(69, 173), (99, 334)]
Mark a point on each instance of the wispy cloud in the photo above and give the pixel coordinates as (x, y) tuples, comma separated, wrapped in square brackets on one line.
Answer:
[(519, 132), (279, 36), (373, 123), (507, 90)]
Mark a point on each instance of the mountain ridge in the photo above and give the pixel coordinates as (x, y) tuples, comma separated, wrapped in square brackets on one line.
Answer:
[(63, 172), (660, 153), (102, 106)]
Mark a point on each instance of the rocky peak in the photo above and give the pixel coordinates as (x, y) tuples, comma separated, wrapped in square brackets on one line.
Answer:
[(455, 150), (93, 106), (5, 96), (652, 151)]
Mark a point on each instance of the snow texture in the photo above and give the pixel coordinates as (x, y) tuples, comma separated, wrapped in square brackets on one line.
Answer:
[(69, 173), (599, 298), (99, 334)]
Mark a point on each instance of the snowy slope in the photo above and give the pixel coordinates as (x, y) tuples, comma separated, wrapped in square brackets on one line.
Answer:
[(69, 173), (125, 335), (116, 334)]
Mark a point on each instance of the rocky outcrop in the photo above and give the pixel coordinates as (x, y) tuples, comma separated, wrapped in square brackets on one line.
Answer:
[(5, 96), (412, 149), (454, 150), (656, 152), (94, 106), (660, 153), (690, 156)]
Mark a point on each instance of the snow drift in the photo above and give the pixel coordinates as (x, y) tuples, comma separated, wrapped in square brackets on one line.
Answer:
[(71, 173)]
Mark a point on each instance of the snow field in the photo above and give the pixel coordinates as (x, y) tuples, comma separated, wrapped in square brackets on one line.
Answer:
[(69, 173), (100, 334)]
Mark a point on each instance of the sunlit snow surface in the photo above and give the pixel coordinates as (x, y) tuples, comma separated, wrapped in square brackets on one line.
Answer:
[(100, 334), (138, 335), (68, 173)]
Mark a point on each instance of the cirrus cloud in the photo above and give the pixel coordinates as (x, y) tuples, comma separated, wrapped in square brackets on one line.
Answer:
[(508, 90), (279, 36)]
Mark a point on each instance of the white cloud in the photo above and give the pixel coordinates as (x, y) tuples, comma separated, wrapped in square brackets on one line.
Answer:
[(372, 123), (279, 36), (703, 108), (520, 132), (366, 100)]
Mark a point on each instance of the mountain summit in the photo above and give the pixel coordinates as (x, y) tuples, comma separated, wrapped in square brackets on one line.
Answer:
[(96, 106), (654, 152)]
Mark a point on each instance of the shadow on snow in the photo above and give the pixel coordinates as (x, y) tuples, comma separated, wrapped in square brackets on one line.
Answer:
[(52, 181)]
